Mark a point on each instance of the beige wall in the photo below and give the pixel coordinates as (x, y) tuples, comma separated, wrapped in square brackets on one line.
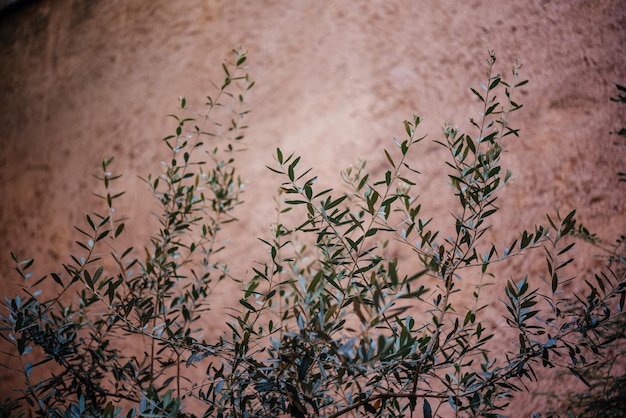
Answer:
[(84, 79)]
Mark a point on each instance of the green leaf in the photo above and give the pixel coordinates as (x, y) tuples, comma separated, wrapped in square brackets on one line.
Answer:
[(545, 357), (371, 200), (477, 95), (80, 244), (578, 375), (56, 278), (491, 108), (363, 181), (352, 244), (88, 279), (389, 159), (468, 317), (316, 280), (290, 173), (330, 205), (290, 169), (247, 305), (119, 230), (521, 83), (526, 239), (102, 235), (371, 232), (427, 410), (470, 144), (560, 266), (308, 191), (494, 83), (409, 128), (488, 213), (27, 263), (386, 209), (369, 408), (90, 222), (109, 409)]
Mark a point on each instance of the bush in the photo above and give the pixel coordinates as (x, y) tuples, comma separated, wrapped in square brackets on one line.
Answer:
[(605, 396), (332, 325)]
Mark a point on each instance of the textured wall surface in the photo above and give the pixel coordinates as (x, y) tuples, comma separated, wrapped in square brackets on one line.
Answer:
[(334, 81)]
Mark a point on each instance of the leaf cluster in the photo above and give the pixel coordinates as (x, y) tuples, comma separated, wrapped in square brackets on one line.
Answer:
[(331, 324)]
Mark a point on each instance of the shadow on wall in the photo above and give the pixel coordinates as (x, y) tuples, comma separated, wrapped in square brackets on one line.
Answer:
[(8, 6)]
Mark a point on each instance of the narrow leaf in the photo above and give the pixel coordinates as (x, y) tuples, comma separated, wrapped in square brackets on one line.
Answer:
[(389, 159)]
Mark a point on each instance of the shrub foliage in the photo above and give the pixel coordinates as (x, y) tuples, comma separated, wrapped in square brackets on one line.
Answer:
[(332, 324)]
